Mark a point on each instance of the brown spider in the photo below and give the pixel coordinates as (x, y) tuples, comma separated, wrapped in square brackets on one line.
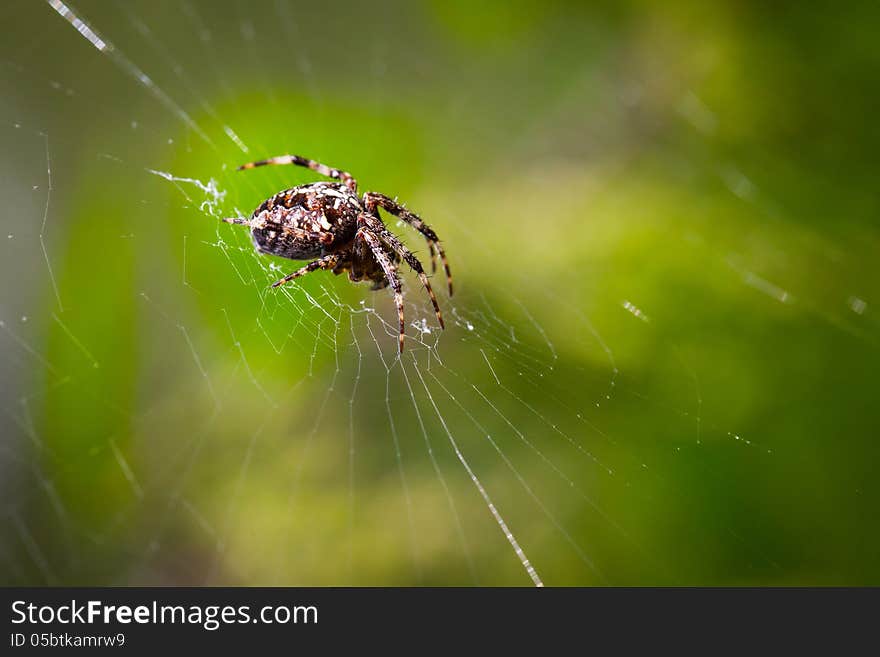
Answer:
[(327, 221)]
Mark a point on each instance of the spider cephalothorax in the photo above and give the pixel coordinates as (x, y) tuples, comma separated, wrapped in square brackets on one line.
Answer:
[(329, 222)]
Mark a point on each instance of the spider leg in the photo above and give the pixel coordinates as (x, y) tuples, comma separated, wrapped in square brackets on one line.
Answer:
[(373, 200), (364, 233), (433, 257), (379, 229), (327, 262), (323, 169)]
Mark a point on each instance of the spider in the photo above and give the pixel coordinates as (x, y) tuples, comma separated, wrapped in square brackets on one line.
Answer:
[(329, 222)]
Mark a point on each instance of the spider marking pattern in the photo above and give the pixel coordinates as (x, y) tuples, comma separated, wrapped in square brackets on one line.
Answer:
[(329, 222)]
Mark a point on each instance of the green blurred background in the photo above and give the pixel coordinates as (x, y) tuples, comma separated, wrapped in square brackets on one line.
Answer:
[(662, 357)]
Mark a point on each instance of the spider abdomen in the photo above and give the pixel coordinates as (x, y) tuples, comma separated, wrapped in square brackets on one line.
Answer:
[(306, 221)]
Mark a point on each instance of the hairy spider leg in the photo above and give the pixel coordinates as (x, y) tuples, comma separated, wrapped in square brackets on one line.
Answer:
[(433, 256), (364, 233), (327, 262), (379, 229), (374, 199), (323, 169)]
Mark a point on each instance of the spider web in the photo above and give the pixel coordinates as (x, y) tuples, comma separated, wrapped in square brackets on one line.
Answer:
[(603, 408)]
